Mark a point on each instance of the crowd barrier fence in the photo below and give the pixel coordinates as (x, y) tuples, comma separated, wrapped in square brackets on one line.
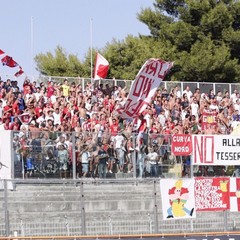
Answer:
[(43, 157), (205, 87)]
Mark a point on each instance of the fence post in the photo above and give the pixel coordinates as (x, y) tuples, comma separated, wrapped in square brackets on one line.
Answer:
[(82, 205), (134, 162), (225, 222), (155, 208), (73, 155), (67, 225), (6, 208), (110, 225), (191, 166)]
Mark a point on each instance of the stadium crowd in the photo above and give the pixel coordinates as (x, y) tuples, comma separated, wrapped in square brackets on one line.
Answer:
[(46, 116)]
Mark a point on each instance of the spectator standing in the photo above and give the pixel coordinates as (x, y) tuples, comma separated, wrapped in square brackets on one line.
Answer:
[(141, 126), (188, 93), (194, 107), (85, 156), (214, 106), (50, 89), (63, 157), (21, 103), (234, 95), (152, 158), (141, 155), (119, 145), (161, 118), (65, 88), (102, 161)]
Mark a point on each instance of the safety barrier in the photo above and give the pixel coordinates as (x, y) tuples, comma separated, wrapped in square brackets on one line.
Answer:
[(205, 87), (97, 208)]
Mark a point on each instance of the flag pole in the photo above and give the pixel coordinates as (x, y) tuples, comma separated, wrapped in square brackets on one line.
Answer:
[(91, 51), (32, 49)]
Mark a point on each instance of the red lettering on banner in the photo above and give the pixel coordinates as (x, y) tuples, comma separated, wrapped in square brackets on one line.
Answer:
[(147, 88), (142, 87), (151, 68), (162, 72), (138, 86), (132, 108), (204, 151)]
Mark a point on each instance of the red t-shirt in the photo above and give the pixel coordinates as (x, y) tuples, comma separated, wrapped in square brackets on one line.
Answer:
[(50, 91), (114, 129)]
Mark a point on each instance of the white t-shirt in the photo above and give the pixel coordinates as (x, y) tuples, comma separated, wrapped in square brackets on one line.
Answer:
[(85, 156), (152, 156), (188, 93), (53, 99), (147, 117), (57, 118), (194, 109), (118, 141), (162, 119), (37, 96)]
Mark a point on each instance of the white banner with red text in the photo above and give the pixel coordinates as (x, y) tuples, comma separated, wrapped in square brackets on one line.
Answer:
[(215, 150), (144, 87)]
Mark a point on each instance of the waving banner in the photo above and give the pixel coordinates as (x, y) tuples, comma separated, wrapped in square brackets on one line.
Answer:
[(8, 61), (101, 67), (144, 87)]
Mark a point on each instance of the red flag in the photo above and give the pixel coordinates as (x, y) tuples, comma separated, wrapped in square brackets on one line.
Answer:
[(1, 52), (19, 73), (101, 67), (7, 60)]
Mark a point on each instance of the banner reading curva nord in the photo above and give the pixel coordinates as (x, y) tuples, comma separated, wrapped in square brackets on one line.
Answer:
[(144, 87), (216, 150)]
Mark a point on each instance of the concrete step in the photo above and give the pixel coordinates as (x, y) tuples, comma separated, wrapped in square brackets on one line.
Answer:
[(96, 205)]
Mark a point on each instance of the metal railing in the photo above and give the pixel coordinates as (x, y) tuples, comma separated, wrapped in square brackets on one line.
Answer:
[(97, 208), (44, 157), (205, 87)]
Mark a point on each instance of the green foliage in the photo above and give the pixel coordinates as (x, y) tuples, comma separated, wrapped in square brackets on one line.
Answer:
[(202, 38), (60, 64)]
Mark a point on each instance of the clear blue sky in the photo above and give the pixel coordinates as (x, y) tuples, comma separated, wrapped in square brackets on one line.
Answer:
[(65, 23)]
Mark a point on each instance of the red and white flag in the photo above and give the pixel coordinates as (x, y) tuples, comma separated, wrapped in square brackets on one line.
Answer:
[(101, 67), (1, 52), (144, 87), (234, 194), (19, 72), (8, 61)]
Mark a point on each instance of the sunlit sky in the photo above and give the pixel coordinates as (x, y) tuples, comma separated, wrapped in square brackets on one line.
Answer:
[(30, 27)]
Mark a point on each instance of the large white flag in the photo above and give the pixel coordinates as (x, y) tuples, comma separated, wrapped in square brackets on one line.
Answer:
[(101, 67), (144, 87)]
